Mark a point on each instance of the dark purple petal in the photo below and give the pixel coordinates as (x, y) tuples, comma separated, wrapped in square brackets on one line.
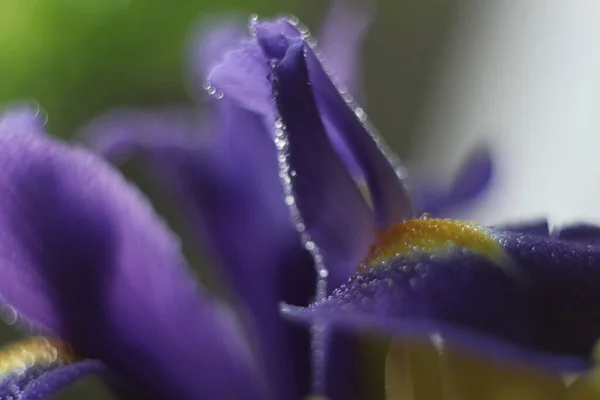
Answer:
[(340, 40), (232, 196), (537, 306), (332, 207), (468, 185), (84, 256), (581, 233), (538, 227), (36, 368), (380, 167)]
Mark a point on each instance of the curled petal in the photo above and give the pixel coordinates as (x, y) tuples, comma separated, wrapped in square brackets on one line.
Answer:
[(243, 75), (84, 256), (539, 315), (342, 229), (470, 183), (381, 169)]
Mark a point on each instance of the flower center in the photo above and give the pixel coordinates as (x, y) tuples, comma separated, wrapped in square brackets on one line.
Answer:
[(428, 235)]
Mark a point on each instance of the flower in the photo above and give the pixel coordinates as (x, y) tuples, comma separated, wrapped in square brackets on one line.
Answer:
[(224, 166), (88, 261), (509, 295)]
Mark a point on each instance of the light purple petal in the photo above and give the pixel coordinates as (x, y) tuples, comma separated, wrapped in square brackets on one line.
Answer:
[(84, 256), (340, 41), (243, 75), (213, 37), (22, 118), (112, 135)]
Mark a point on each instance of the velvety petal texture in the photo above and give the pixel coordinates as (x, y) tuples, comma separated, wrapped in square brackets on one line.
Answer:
[(506, 295), (84, 257), (37, 368)]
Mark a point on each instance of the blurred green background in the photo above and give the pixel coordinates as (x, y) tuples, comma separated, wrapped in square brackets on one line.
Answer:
[(77, 58)]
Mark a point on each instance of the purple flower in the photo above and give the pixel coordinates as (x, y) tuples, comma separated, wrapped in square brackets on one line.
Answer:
[(224, 167), (85, 258), (525, 297)]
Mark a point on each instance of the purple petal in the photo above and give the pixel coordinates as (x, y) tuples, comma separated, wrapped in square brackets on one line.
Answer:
[(42, 382), (121, 133), (340, 41), (581, 233), (468, 185), (85, 257), (542, 314), (210, 41), (243, 75), (37, 368), (539, 227), (382, 172), (22, 118), (243, 221), (343, 230)]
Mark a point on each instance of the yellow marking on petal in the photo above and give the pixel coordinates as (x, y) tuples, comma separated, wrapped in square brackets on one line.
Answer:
[(20, 356), (418, 370), (428, 235)]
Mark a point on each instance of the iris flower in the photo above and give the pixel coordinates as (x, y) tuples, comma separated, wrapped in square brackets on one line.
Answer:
[(86, 260)]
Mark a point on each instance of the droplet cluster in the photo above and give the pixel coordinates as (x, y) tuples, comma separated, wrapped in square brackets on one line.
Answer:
[(432, 235)]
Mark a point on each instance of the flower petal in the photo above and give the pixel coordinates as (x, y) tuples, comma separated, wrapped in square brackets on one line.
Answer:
[(470, 183), (122, 133), (213, 37), (342, 230), (537, 227), (581, 233), (243, 75), (36, 368), (231, 194), (534, 304), (84, 256), (380, 167), (22, 118), (340, 40)]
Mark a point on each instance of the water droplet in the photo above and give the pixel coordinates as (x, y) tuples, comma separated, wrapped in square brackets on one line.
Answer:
[(8, 314)]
